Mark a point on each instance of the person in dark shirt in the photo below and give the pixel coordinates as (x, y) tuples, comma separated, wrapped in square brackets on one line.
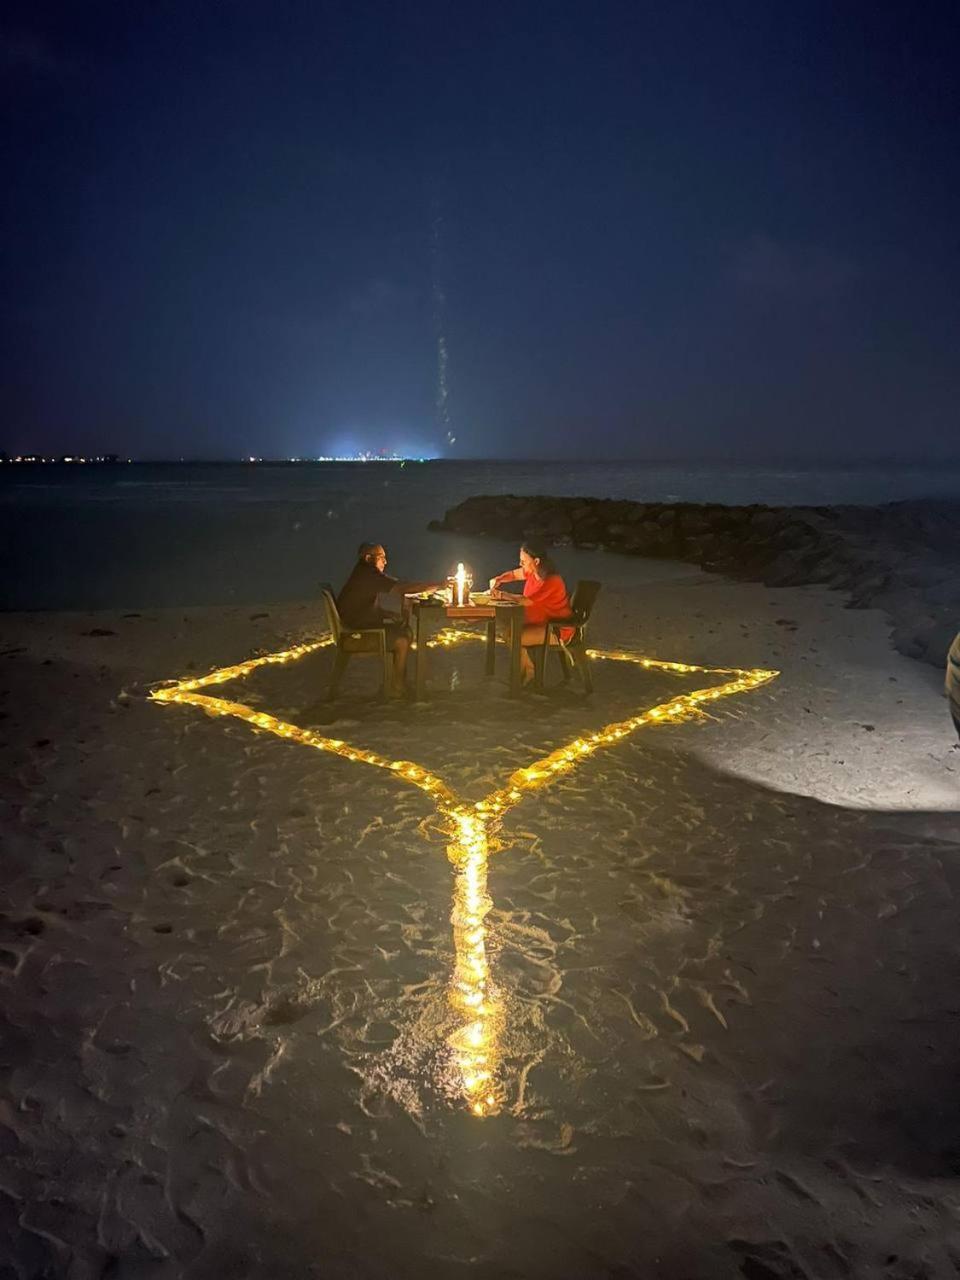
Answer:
[(370, 597)]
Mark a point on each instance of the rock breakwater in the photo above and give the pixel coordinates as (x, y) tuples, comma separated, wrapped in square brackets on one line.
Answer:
[(901, 557)]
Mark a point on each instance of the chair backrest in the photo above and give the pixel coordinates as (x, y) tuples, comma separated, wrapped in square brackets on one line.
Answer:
[(333, 613), (584, 598)]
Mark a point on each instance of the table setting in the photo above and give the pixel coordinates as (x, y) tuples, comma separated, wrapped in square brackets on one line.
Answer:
[(459, 602)]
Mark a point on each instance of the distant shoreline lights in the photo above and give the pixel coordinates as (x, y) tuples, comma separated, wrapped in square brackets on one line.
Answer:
[(111, 459), (347, 457), (72, 458)]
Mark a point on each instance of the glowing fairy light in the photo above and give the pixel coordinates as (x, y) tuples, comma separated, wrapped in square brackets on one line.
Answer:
[(474, 1043), (471, 826), (241, 669)]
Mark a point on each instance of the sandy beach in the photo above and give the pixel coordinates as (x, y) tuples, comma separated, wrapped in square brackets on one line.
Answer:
[(724, 952)]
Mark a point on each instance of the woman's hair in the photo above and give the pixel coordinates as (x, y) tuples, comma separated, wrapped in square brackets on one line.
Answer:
[(533, 547)]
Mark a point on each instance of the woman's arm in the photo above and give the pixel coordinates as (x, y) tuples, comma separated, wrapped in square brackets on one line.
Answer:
[(511, 575)]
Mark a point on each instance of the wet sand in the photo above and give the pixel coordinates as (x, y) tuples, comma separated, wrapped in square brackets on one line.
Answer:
[(724, 954)]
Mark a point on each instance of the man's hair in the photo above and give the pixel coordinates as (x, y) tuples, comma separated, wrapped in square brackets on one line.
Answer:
[(366, 550)]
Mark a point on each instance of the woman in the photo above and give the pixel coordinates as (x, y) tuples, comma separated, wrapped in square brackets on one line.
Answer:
[(544, 598)]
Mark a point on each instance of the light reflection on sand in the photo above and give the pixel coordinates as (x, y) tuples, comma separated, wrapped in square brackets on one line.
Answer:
[(471, 826)]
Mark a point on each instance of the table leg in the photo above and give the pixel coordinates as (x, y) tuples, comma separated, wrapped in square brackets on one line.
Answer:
[(420, 681), (491, 647), (516, 631)]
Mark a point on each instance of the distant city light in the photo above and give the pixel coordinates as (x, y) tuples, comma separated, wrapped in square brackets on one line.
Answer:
[(371, 457), (365, 456), (73, 458)]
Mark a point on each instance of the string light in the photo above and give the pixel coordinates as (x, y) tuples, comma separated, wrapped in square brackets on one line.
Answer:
[(471, 826)]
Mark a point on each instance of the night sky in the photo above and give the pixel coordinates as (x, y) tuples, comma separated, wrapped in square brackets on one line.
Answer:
[(597, 230)]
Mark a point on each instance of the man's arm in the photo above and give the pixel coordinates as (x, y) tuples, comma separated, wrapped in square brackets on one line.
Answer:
[(410, 588)]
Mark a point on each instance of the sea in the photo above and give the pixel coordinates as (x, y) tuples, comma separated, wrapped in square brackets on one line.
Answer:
[(153, 535)]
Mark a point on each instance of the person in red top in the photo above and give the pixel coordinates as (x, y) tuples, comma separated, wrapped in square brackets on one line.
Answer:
[(544, 598)]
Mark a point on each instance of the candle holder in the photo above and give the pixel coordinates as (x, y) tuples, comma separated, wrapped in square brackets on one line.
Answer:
[(460, 584)]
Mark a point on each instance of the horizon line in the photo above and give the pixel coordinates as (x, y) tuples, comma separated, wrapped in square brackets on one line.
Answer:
[(748, 463)]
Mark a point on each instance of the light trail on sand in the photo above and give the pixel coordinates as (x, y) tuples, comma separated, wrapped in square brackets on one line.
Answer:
[(471, 827)]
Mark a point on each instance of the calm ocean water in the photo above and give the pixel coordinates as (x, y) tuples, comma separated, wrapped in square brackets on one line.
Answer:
[(150, 535)]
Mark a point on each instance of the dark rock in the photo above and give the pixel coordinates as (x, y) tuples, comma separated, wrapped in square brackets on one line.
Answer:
[(552, 525), (896, 556), (588, 530)]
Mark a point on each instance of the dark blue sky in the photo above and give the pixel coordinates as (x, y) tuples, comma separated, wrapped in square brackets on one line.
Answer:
[(642, 230)]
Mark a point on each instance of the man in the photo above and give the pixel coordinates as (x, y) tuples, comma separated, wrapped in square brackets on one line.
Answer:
[(952, 683), (371, 598)]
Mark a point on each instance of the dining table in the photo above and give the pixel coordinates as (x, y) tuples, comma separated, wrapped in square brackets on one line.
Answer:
[(428, 609)]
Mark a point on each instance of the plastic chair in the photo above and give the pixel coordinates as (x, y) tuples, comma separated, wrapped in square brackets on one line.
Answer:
[(353, 642), (572, 653)]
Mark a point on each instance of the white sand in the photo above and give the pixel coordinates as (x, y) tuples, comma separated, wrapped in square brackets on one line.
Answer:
[(854, 723), (731, 1039)]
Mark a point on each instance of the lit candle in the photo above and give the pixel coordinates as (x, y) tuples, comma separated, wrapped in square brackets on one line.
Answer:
[(461, 582)]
